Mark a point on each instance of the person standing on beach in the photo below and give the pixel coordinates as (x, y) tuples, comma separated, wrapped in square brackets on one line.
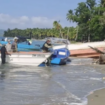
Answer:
[(3, 54), (14, 45), (8, 46)]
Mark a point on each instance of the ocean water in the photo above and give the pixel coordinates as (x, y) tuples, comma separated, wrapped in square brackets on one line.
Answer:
[(54, 85)]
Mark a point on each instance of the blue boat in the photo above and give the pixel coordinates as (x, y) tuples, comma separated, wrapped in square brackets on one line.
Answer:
[(60, 56), (24, 46)]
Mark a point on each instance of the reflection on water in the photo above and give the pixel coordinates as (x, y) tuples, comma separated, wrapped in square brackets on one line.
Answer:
[(56, 85)]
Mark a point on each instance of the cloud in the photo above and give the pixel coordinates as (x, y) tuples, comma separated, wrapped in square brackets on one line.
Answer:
[(7, 21), (22, 22)]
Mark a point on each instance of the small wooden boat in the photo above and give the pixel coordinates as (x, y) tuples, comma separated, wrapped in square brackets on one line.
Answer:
[(27, 58)]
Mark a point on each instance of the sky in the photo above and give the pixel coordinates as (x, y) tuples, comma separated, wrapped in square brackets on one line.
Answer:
[(35, 13)]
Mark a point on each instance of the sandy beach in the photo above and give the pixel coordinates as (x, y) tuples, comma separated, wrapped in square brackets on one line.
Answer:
[(97, 97)]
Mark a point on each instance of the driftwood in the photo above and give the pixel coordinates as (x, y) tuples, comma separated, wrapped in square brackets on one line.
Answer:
[(101, 59), (97, 50)]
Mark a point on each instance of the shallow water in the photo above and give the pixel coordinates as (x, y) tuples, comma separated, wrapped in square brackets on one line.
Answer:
[(55, 85)]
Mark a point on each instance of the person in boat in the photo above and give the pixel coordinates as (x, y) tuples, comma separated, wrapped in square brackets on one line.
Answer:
[(14, 45), (3, 54), (8, 46), (29, 41), (46, 46)]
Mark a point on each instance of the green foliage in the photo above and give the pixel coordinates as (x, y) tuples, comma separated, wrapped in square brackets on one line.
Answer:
[(90, 18)]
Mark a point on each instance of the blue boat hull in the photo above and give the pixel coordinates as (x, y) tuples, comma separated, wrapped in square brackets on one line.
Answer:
[(24, 46)]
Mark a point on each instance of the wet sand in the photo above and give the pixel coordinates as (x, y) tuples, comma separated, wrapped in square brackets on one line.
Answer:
[(97, 97), (99, 68)]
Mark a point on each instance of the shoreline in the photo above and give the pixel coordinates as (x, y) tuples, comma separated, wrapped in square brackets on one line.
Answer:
[(97, 97)]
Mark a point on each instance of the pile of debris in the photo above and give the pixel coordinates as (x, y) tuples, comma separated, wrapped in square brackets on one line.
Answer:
[(101, 59)]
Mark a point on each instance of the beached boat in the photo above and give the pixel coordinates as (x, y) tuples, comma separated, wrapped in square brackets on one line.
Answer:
[(27, 58), (83, 49)]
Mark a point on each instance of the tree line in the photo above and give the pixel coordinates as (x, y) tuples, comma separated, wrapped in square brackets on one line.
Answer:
[(38, 33), (90, 19)]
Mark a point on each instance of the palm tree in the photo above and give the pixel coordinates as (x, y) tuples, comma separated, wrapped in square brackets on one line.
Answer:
[(70, 15), (102, 19), (58, 27), (103, 3), (76, 32)]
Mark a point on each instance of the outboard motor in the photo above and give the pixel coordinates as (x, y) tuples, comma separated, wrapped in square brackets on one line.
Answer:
[(60, 56)]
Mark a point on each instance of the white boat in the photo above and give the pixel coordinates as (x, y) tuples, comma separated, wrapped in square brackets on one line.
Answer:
[(26, 58)]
